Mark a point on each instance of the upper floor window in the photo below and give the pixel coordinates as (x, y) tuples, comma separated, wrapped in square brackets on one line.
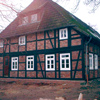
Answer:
[(65, 61), (96, 61), (14, 63), (22, 40), (24, 20), (33, 18), (90, 61), (63, 34), (30, 62), (50, 62), (1, 43)]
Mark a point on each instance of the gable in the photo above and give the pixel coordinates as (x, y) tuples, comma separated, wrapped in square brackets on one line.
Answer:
[(52, 16)]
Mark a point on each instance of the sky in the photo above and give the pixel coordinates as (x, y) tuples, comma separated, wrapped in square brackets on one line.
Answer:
[(83, 11)]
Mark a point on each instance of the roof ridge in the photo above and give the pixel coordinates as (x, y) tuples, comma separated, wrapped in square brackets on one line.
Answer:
[(22, 12)]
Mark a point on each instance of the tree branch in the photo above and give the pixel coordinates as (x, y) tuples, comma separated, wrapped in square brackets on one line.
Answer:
[(9, 7)]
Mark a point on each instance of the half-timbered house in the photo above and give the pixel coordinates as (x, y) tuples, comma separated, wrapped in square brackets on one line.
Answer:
[(47, 42)]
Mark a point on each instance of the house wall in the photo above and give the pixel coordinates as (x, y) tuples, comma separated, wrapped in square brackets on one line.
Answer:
[(41, 44), (94, 49)]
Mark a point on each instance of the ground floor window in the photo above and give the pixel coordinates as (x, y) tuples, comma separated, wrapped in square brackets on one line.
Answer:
[(50, 62), (30, 63), (65, 61), (90, 61), (96, 61), (14, 63)]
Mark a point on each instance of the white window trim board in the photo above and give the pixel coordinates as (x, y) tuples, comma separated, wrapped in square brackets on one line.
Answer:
[(96, 63), (20, 40), (91, 68), (51, 69), (29, 60), (33, 21), (14, 61), (65, 69), (66, 34)]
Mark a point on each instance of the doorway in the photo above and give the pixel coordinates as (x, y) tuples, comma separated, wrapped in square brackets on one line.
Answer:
[(6, 66)]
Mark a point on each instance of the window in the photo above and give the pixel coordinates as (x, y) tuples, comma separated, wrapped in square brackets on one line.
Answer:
[(50, 62), (63, 34), (90, 61), (96, 61), (33, 18), (24, 20), (1, 43), (65, 61), (30, 63), (14, 63), (22, 40)]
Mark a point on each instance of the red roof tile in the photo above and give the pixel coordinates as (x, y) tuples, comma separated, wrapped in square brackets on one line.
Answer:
[(54, 16)]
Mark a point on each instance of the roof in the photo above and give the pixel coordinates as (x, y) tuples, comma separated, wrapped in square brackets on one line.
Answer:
[(54, 16)]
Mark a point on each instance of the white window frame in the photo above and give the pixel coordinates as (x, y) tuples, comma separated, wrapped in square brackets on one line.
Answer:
[(24, 20), (50, 59), (1, 43), (30, 60), (22, 40), (65, 58), (33, 18), (91, 62), (61, 32), (14, 59), (96, 61)]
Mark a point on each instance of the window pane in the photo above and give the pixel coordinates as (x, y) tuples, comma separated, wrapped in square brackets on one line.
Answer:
[(52, 66), (67, 65), (52, 62), (63, 65), (15, 63), (28, 65), (62, 35), (62, 61), (48, 62), (31, 62), (64, 56), (51, 56), (31, 65), (67, 61), (15, 67), (48, 66), (28, 62)]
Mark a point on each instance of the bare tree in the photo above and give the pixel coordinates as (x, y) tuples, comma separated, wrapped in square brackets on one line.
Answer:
[(8, 11), (94, 4)]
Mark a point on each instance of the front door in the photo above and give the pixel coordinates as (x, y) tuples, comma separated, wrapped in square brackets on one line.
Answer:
[(6, 65)]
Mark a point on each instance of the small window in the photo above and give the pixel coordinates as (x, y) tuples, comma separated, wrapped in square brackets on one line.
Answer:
[(24, 20), (90, 61), (1, 43), (30, 63), (96, 61), (65, 61), (50, 62), (33, 18), (63, 34), (14, 63), (22, 40)]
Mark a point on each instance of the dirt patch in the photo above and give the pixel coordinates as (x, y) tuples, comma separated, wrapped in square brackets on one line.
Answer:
[(34, 90)]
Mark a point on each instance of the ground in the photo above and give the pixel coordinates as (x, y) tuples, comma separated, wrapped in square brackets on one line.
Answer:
[(29, 89)]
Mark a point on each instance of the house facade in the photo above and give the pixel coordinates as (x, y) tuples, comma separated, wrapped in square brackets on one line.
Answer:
[(47, 42)]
